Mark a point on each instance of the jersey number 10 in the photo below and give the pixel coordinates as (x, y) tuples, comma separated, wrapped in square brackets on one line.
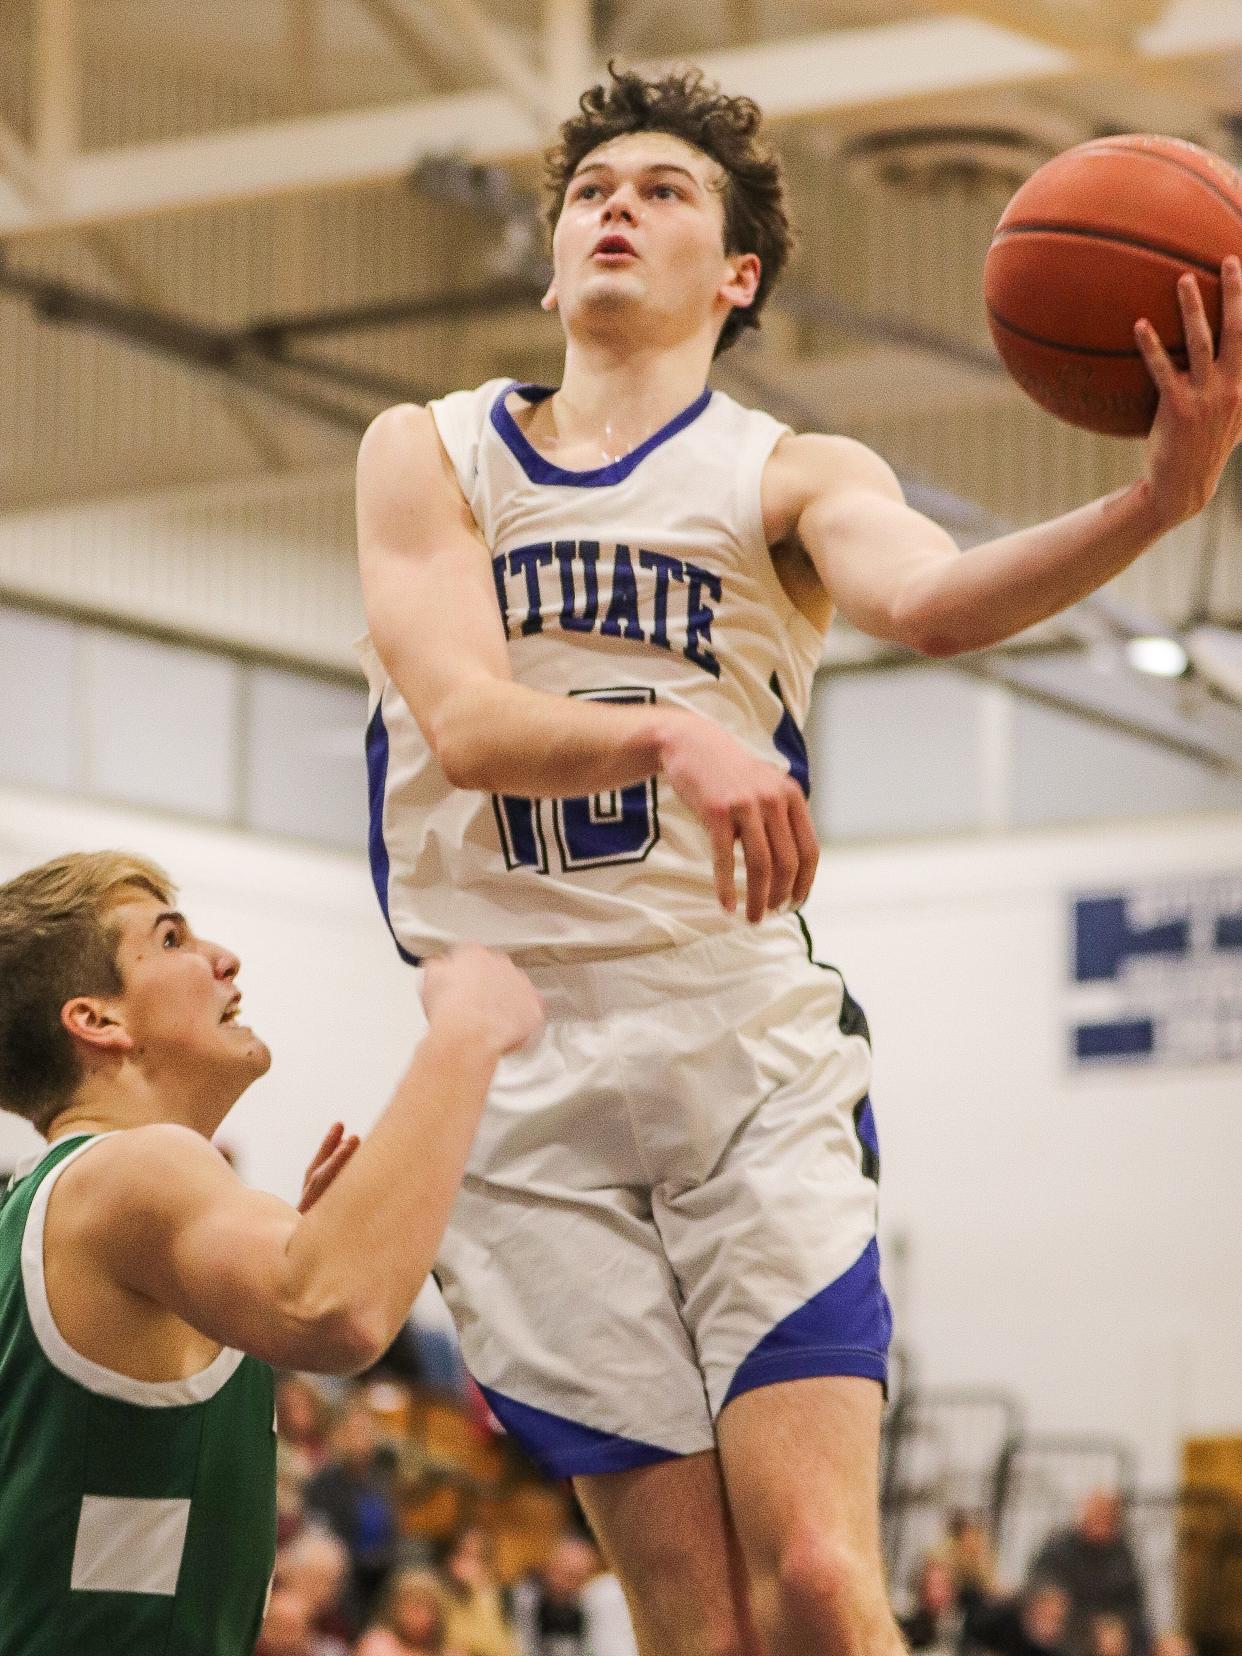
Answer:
[(596, 831)]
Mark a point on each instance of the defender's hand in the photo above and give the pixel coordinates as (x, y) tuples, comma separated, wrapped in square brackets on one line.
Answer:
[(331, 1156), (739, 797), (486, 989), (1199, 417)]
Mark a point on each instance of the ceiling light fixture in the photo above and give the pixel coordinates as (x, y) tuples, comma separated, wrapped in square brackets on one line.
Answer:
[(1163, 657)]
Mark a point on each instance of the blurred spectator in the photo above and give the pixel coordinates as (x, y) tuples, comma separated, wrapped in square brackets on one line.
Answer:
[(1095, 1564), (568, 1608), (440, 1363), (476, 1616), (1108, 1636), (402, 1361), (315, 1564), (1032, 1624), (353, 1495), (1173, 1644), (933, 1623), (412, 1619), (290, 1506), (301, 1446), (302, 1422), (968, 1553), (286, 1626)]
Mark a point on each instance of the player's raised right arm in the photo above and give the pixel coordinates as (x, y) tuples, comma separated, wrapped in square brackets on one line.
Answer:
[(431, 608), (158, 1210)]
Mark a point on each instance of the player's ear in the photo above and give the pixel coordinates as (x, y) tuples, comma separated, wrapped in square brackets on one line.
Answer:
[(742, 281), (92, 1022), (548, 302)]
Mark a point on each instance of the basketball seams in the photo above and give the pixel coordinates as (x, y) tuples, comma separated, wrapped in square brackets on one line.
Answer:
[(1103, 147), (1178, 352), (1057, 227)]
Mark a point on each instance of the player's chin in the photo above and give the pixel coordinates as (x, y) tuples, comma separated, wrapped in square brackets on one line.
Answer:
[(249, 1052), (260, 1055), (608, 287)]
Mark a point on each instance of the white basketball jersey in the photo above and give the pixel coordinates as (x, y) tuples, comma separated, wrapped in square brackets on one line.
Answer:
[(646, 580)]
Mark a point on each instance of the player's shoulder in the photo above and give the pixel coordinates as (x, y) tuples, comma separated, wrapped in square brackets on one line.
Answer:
[(398, 429), (141, 1168), (818, 464), (401, 456), (409, 432), (130, 1193)]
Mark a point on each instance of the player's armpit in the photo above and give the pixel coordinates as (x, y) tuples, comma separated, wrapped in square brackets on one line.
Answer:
[(160, 1211)]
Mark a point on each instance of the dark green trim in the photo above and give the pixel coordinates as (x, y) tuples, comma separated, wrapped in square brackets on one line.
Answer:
[(853, 1020)]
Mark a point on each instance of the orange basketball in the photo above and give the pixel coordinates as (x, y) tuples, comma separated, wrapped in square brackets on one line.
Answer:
[(1095, 239)]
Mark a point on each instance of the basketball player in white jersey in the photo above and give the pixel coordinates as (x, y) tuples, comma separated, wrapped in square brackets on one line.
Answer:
[(594, 614)]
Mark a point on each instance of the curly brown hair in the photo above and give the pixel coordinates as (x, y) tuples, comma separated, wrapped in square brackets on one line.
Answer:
[(685, 104)]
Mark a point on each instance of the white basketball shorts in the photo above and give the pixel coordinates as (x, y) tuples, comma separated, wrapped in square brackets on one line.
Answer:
[(671, 1200)]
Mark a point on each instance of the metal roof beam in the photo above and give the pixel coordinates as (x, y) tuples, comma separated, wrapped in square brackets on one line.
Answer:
[(838, 72), (789, 78)]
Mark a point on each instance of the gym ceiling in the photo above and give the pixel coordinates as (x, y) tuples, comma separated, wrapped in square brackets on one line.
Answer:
[(230, 233)]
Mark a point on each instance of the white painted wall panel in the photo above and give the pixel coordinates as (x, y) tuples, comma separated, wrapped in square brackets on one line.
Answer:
[(161, 725), (39, 743), (305, 764)]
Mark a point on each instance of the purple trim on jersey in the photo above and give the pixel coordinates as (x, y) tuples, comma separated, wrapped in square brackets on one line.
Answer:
[(789, 741), (844, 1329), (564, 1448), (540, 470), (377, 784)]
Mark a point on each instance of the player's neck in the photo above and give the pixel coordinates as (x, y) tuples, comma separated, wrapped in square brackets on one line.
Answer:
[(109, 1103), (620, 397)]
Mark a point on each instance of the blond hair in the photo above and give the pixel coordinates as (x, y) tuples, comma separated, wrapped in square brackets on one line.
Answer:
[(413, 1579), (56, 942)]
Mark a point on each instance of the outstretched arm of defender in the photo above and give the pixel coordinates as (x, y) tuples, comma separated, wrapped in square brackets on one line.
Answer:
[(327, 1288), (898, 576), (432, 612)]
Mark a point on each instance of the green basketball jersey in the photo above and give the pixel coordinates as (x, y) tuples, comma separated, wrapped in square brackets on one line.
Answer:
[(137, 1518)]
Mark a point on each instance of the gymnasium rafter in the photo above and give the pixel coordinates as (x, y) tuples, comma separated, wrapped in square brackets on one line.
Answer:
[(221, 180)]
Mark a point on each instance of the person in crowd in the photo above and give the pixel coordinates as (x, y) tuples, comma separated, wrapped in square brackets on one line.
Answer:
[(302, 1416), (412, 1619), (290, 1505), (1109, 1636), (934, 1622), (1032, 1623), (968, 1552), (287, 1629), (353, 1494), (476, 1616), (570, 1608), (1093, 1561), (1172, 1643), (316, 1565)]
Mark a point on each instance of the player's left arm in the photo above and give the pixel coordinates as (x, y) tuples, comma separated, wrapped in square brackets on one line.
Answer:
[(897, 575)]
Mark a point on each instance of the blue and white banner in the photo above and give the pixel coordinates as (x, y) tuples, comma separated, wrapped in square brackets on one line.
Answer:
[(1156, 973)]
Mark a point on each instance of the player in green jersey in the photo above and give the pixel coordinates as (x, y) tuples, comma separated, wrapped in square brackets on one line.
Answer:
[(144, 1290)]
